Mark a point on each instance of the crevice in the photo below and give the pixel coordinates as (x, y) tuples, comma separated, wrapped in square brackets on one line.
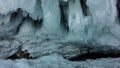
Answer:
[(118, 9), (38, 23), (14, 15), (84, 7), (13, 57), (19, 26), (64, 15), (94, 56), (21, 23)]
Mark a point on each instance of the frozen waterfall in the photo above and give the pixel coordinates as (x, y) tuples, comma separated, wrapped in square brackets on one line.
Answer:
[(83, 20), (64, 27)]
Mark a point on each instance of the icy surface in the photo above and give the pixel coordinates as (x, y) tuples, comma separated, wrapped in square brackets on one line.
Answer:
[(8, 47), (51, 17), (31, 6), (53, 31), (58, 62)]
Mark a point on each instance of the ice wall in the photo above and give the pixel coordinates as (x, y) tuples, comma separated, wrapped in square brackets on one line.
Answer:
[(35, 22), (104, 17)]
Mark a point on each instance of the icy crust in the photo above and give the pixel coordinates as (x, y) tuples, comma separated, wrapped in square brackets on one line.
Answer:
[(56, 61)]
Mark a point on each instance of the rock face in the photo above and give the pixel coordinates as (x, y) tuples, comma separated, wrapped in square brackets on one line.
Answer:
[(59, 31)]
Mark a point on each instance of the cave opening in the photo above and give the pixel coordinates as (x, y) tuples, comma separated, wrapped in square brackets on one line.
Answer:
[(80, 57), (94, 56)]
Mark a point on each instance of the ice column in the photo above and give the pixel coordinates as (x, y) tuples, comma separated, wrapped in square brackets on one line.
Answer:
[(51, 19)]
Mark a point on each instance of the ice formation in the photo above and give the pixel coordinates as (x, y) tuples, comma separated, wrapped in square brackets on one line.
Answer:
[(67, 28)]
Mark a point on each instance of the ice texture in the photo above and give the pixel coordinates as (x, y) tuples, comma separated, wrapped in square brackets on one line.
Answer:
[(56, 61), (53, 31)]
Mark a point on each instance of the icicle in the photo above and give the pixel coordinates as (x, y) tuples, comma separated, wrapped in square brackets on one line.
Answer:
[(51, 17), (77, 20)]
